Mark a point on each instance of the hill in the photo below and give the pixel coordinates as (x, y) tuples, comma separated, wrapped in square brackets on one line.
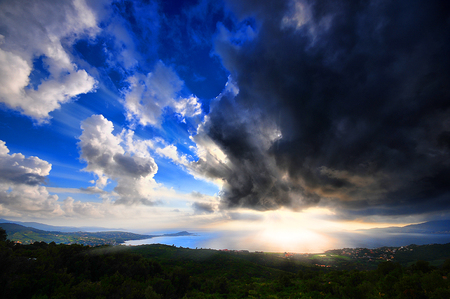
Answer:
[(430, 227), (29, 235), (43, 270), (66, 229)]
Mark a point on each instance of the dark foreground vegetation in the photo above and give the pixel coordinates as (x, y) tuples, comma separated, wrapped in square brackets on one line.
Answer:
[(42, 270)]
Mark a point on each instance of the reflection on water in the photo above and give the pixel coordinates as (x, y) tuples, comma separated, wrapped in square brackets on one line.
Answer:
[(253, 242)]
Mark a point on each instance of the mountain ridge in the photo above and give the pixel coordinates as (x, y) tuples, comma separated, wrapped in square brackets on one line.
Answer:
[(28, 235), (66, 229), (429, 227)]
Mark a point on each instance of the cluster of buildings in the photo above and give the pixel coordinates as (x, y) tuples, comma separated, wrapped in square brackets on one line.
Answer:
[(382, 253)]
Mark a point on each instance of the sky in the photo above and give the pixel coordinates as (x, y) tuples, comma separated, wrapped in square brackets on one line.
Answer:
[(275, 120)]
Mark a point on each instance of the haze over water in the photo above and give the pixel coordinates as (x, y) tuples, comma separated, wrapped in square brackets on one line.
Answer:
[(240, 241)]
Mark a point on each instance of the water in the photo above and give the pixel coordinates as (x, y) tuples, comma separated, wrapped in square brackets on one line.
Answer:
[(371, 240), (198, 240), (242, 241)]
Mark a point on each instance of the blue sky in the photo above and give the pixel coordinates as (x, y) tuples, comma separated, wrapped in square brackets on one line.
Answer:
[(123, 41), (232, 115)]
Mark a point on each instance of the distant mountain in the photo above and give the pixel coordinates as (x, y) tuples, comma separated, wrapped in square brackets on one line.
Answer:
[(179, 234), (28, 235), (12, 228), (430, 227), (60, 228)]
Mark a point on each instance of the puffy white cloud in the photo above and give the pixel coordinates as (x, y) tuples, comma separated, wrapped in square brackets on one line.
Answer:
[(171, 152), (17, 169), (20, 191), (120, 158), (189, 107), (27, 33), (25, 200), (77, 208), (147, 96), (14, 72)]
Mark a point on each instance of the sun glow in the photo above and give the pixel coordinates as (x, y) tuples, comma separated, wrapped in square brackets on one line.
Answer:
[(295, 240), (309, 231), (279, 231)]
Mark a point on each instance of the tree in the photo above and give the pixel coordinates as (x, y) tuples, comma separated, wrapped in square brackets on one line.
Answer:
[(385, 268), (3, 235), (446, 265), (422, 266)]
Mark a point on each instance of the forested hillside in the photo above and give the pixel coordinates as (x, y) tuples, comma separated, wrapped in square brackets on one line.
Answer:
[(42, 270), (29, 235)]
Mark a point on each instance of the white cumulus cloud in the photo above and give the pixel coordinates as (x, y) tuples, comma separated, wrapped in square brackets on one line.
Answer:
[(42, 29), (188, 107), (171, 152), (17, 169), (147, 96), (120, 158), (21, 192)]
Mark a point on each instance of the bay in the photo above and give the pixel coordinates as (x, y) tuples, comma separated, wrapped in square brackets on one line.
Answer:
[(196, 240)]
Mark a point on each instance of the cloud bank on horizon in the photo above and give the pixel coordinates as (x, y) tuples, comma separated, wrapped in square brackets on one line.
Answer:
[(203, 112)]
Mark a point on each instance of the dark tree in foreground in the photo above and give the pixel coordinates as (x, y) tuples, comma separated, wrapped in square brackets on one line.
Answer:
[(42, 270), (3, 235)]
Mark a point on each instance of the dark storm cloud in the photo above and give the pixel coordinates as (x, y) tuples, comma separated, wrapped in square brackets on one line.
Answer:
[(203, 208), (360, 94), (250, 178)]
